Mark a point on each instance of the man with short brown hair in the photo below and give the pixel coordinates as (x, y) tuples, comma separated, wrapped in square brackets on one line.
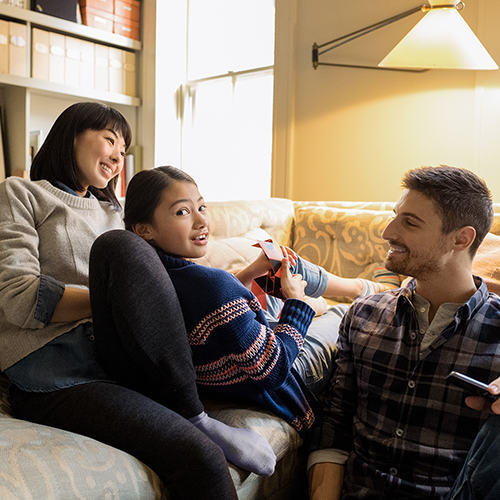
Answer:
[(393, 427)]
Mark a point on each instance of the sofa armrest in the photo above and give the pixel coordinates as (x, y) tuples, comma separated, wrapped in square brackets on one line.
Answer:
[(43, 462)]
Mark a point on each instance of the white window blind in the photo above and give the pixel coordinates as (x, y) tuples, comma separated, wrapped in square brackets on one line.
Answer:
[(228, 98)]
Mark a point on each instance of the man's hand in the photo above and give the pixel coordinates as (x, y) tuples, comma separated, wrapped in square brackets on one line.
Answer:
[(479, 403), (325, 481)]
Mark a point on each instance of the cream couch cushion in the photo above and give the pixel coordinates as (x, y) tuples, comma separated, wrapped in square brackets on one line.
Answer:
[(233, 253), (236, 226), (275, 216)]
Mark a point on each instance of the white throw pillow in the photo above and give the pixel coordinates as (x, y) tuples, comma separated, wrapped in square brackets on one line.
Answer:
[(233, 253)]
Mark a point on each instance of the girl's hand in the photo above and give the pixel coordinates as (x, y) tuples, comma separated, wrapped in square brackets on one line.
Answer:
[(261, 265), (288, 252), (258, 267), (292, 287)]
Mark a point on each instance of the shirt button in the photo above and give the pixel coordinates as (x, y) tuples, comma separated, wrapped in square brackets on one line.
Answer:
[(393, 471), (92, 338), (400, 432), (413, 335), (411, 384)]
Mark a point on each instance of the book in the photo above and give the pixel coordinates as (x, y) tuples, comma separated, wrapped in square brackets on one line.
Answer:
[(2, 154), (270, 283), (136, 152), (22, 4)]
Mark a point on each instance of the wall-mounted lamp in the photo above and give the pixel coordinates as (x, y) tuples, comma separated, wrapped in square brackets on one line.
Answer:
[(440, 40)]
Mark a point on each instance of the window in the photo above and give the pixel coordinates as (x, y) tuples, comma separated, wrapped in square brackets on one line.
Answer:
[(228, 98)]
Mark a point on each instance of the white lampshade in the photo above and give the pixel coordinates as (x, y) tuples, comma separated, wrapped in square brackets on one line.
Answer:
[(441, 40)]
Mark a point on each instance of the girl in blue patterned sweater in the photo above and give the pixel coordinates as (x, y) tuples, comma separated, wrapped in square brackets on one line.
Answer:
[(236, 354)]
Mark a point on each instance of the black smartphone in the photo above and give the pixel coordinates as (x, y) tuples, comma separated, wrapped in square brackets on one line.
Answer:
[(471, 385)]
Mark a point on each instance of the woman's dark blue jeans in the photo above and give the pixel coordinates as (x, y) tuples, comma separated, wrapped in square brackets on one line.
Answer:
[(141, 343)]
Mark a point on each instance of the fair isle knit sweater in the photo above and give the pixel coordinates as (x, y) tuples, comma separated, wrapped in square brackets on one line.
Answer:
[(45, 240), (236, 354)]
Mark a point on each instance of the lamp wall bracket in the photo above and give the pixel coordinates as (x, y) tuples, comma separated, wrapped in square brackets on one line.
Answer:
[(337, 42)]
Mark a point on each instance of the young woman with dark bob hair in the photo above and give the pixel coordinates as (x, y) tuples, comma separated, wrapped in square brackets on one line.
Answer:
[(58, 375)]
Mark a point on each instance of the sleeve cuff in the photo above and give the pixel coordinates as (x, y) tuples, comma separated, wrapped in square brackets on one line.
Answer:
[(49, 295), (319, 287), (330, 455), (297, 314)]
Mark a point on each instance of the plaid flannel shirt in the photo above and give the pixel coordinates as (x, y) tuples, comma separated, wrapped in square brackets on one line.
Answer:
[(407, 430)]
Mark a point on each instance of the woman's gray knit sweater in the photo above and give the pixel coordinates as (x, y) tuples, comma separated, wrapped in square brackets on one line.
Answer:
[(45, 238)]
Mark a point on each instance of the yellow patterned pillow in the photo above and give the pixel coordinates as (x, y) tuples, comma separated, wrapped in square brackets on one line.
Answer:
[(346, 242)]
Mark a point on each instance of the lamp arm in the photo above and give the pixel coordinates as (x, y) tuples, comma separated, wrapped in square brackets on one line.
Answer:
[(358, 34)]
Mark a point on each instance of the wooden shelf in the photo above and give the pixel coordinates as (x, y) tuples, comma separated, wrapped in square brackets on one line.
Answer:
[(39, 20), (57, 89), (17, 93)]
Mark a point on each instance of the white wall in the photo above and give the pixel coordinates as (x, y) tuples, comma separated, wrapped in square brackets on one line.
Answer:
[(352, 133)]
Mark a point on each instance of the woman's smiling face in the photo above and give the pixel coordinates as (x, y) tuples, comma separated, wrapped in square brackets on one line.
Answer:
[(180, 223), (99, 157)]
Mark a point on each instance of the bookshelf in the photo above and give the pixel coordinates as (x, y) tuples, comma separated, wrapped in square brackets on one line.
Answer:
[(30, 105)]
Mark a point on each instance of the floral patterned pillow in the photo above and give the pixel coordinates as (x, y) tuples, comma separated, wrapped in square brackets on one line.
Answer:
[(346, 242)]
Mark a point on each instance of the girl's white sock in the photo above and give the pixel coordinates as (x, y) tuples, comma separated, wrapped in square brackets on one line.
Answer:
[(244, 448)]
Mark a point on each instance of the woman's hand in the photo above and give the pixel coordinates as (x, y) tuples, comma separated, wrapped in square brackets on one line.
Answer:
[(292, 286), (479, 403), (73, 306)]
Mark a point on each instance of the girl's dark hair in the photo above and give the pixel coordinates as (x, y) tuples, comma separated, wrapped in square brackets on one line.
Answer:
[(55, 161), (145, 190)]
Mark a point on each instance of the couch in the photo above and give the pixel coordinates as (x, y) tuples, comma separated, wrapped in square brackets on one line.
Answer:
[(38, 462)]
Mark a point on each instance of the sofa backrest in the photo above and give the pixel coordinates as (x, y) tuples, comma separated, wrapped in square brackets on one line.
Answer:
[(236, 225), (343, 237), (346, 237)]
